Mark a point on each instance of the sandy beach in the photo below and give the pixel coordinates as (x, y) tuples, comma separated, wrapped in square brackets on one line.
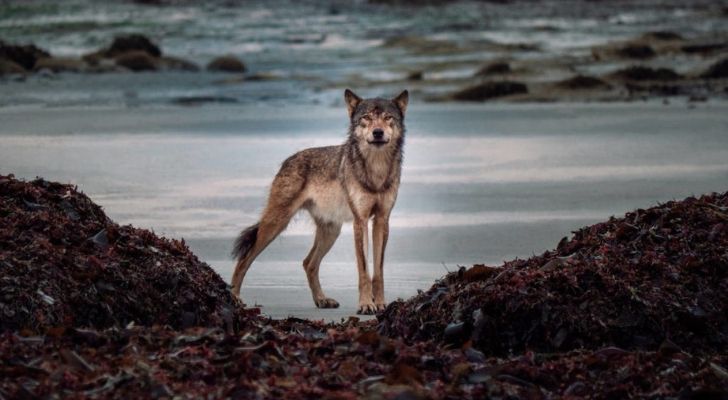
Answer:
[(481, 183)]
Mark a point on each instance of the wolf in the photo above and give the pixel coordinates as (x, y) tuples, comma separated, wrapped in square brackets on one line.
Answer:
[(356, 181)]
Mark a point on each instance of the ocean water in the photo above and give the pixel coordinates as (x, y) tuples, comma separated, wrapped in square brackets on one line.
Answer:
[(481, 183), (309, 50)]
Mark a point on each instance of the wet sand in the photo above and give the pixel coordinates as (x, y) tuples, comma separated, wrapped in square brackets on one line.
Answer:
[(482, 183)]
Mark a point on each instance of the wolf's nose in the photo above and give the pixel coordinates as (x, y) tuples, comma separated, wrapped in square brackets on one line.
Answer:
[(378, 134)]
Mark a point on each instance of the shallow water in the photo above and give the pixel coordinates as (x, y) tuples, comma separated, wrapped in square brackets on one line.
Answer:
[(481, 183)]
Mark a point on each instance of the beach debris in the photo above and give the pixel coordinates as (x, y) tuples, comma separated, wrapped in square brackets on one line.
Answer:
[(654, 275), (91, 309), (64, 263)]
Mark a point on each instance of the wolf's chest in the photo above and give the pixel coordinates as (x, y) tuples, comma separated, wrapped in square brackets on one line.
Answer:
[(328, 203)]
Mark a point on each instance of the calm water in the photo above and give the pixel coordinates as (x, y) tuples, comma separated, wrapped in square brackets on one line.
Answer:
[(480, 183)]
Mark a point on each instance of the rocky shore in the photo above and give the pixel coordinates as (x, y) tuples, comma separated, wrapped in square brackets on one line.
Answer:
[(656, 64), (127, 53), (632, 307)]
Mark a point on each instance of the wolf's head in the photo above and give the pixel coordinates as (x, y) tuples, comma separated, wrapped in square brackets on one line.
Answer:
[(376, 123)]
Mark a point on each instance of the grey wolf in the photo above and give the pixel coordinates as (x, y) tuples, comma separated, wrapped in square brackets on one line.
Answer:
[(356, 181)]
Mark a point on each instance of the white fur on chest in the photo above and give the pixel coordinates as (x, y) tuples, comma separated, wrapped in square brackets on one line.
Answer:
[(329, 203)]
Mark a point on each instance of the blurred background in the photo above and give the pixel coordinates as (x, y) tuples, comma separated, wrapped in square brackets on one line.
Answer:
[(527, 119)]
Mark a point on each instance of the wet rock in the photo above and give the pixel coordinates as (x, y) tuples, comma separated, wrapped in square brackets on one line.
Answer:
[(8, 67), (60, 64), (415, 76), (132, 43), (24, 56), (137, 61), (704, 48), (227, 63), (637, 51), (583, 82), (719, 70), (663, 35), (641, 73), (490, 90), (177, 64), (420, 44), (496, 68)]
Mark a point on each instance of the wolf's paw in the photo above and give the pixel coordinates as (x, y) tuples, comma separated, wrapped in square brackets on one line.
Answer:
[(380, 307), (367, 309), (327, 303)]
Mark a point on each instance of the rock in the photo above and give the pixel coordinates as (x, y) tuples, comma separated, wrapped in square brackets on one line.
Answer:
[(94, 58), (490, 90), (137, 61), (177, 64), (60, 64), (717, 71), (415, 76), (24, 56), (704, 48), (227, 63), (133, 42), (662, 35), (640, 73), (638, 51), (420, 44), (495, 68), (8, 67), (583, 82)]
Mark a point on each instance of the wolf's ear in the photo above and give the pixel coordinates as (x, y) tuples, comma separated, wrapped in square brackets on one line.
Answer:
[(401, 101), (352, 101)]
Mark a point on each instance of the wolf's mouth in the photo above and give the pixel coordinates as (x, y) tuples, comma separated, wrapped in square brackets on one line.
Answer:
[(378, 143)]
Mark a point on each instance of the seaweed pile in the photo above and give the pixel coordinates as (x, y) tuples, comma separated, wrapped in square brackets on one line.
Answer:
[(64, 263), (72, 282), (655, 276)]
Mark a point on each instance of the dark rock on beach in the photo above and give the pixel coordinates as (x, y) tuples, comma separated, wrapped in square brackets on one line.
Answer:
[(719, 70), (641, 73), (226, 64), (23, 55), (495, 68), (137, 61), (58, 64), (133, 42), (583, 82), (637, 51), (490, 90)]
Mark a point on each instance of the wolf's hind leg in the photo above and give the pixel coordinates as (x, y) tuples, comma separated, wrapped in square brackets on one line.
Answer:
[(283, 202), (326, 235)]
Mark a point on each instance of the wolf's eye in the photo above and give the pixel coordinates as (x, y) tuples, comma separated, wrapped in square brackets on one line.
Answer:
[(365, 119), (388, 118)]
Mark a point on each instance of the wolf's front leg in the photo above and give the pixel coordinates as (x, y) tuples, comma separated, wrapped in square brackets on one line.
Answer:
[(361, 247), (379, 239)]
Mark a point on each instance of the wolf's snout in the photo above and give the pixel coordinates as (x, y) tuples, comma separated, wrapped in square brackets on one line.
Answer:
[(378, 134)]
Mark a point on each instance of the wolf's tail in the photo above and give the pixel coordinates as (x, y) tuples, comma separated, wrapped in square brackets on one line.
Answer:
[(245, 242)]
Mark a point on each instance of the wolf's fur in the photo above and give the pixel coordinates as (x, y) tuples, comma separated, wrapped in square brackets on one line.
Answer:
[(357, 181)]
